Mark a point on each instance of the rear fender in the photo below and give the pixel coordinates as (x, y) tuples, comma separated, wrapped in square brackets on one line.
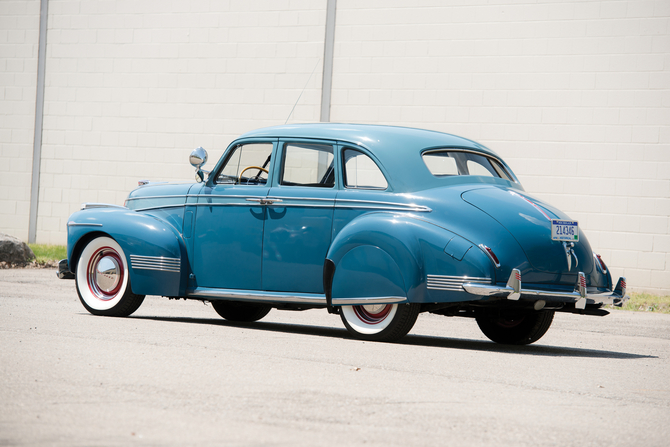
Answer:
[(384, 254), (378, 255), (138, 235)]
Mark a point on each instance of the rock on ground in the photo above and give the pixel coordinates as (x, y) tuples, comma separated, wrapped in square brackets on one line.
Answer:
[(14, 251)]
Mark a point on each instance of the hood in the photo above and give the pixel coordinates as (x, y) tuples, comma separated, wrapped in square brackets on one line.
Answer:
[(528, 220)]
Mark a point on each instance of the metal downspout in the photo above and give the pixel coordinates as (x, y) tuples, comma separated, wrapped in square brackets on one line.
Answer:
[(39, 114), (328, 52)]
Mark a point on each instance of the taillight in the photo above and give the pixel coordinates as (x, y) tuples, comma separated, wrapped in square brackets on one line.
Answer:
[(490, 254), (600, 263)]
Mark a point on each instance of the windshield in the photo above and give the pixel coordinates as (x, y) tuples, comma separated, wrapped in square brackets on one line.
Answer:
[(453, 162)]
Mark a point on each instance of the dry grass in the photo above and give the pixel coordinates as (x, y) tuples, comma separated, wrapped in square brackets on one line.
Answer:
[(646, 302), (47, 256)]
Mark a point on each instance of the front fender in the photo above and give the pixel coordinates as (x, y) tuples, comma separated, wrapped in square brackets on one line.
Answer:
[(158, 243)]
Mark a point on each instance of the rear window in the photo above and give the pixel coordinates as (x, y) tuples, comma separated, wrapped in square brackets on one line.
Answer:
[(447, 163)]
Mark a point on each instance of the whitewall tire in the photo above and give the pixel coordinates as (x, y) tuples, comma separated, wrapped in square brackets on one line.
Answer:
[(379, 322), (103, 280)]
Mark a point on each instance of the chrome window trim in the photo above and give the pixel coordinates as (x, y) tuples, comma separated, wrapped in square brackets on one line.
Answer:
[(512, 179)]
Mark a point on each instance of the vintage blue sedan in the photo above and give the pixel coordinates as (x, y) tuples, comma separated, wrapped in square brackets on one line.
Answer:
[(375, 223)]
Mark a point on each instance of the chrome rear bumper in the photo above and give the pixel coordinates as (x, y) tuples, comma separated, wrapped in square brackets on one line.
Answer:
[(580, 297)]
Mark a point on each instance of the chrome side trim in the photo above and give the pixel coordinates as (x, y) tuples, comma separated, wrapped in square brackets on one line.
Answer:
[(315, 199), (453, 283), (580, 297), (179, 196), (266, 200), (181, 205), (89, 206), (289, 205), (223, 196), (368, 300), (341, 203), (252, 295), (83, 224), (159, 263)]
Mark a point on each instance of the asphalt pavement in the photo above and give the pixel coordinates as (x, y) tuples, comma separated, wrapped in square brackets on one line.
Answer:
[(176, 374)]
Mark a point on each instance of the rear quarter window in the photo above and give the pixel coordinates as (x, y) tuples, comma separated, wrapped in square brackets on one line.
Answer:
[(444, 163)]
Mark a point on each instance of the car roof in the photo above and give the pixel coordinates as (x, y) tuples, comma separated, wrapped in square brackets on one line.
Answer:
[(374, 137), (396, 148)]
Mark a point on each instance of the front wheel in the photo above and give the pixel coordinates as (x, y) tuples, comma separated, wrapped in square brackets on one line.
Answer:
[(379, 322), (102, 280), (516, 328)]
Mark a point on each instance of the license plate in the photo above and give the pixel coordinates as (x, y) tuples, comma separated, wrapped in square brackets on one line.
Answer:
[(564, 230)]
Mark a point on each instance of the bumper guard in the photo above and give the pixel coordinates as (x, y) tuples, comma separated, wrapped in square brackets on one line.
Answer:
[(64, 270)]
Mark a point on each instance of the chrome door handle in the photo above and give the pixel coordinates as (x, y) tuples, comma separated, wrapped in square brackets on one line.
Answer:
[(264, 201)]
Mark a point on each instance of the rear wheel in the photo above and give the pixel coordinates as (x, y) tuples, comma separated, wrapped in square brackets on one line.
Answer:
[(379, 322), (102, 280), (240, 311), (517, 327)]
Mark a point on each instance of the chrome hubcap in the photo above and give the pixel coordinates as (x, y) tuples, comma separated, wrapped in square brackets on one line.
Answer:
[(374, 308), (107, 274), (373, 313)]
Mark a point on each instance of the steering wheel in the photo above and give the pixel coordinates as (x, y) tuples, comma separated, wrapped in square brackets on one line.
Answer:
[(253, 167)]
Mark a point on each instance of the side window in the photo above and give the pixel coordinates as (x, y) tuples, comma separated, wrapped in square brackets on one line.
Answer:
[(248, 165), (308, 165), (360, 171)]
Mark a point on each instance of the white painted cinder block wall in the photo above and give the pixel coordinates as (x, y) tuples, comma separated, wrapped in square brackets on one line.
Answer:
[(575, 95), (133, 87)]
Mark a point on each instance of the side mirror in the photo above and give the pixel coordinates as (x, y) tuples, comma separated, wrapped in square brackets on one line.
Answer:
[(197, 159)]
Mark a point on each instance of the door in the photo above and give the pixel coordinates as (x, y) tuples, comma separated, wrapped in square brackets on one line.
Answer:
[(230, 215), (299, 218)]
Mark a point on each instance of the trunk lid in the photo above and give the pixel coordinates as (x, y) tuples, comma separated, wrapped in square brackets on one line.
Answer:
[(529, 221)]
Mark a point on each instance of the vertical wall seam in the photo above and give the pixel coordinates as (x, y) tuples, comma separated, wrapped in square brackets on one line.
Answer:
[(39, 114), (328, 54)]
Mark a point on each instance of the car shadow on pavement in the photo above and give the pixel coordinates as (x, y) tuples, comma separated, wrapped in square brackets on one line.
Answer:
[(412, 340), (535, 349)]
